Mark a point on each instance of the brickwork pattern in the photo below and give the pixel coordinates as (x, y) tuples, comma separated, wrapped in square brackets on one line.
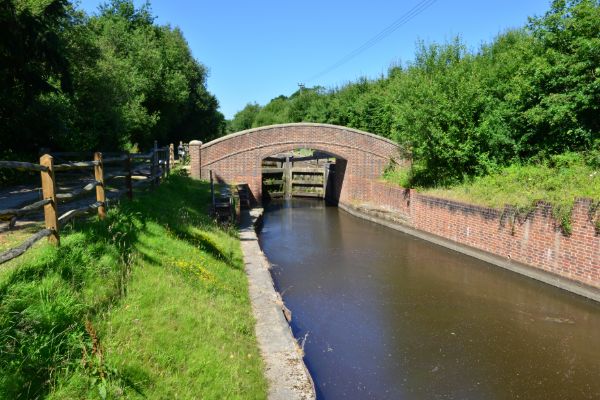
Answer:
[(535, 239), (237, 158), (195, 156)]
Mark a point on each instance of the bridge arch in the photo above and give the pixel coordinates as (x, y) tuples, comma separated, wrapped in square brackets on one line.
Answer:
[(236, 158)]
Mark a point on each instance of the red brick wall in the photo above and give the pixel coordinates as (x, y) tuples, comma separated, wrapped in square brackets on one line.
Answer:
[(237, 158), (535, 239)]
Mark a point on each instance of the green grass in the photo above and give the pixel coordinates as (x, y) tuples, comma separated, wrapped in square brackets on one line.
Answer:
[(150, 303), (14, 237), (303, 152), (558, 181)]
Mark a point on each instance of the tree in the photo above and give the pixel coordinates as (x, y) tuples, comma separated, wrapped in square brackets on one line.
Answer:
[(104, 82), (564, 76), (244, 119), (275, 112), (33, 73)]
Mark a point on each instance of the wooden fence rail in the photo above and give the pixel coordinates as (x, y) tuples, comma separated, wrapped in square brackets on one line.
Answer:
[(153, 166), (8, 214), (17, 251), (74, 165), (22, 166)]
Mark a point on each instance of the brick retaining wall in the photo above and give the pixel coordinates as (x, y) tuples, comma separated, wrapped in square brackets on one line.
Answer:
[(535, 239)]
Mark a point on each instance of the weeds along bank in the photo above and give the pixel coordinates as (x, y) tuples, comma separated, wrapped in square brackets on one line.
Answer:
[(151, 303), (559, 181), (531, 242)]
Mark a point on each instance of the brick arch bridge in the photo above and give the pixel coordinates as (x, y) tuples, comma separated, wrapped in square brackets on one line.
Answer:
[(361, 157)]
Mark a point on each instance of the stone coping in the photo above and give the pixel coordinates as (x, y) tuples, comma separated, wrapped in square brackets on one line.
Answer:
[(298, 124), (549, 278), (285, 370)]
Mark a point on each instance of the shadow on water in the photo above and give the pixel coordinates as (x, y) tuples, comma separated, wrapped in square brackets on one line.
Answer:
[(388, 316)]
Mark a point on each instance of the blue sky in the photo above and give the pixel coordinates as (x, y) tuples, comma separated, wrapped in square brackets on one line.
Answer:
[(257, 50)]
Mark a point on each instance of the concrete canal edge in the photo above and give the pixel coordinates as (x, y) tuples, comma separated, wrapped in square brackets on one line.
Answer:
[(287, 376), (523, 269)]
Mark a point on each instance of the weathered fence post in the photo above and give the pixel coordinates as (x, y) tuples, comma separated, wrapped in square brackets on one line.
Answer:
[(169, 164), (171, 154), (100, 195), (164, 162), (128, 183), (154, 169), (168, 159), (49, 192), (212, 191)]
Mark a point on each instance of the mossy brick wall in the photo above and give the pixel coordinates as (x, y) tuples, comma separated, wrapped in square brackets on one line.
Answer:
[(535, 239)]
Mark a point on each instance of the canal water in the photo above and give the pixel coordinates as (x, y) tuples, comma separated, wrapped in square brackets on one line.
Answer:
[(384, 315)]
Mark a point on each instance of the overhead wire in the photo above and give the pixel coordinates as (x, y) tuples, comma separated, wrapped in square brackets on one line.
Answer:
[(402, 20)]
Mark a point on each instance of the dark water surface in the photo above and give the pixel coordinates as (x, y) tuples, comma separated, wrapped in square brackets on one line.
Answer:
[(390, 316)]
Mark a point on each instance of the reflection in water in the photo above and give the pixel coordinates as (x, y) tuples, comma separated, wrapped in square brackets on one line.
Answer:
[(390, 316)]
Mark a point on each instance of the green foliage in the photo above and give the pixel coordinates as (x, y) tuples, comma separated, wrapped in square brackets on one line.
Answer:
[(150, 303), (276, 112), (558, 180), (107, 81), (565, 77), (531, 93), (34, 64), (399, 176), (442, 97), (244, 119), (46, 299)]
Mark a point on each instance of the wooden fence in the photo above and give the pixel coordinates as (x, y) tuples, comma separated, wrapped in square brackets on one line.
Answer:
[(147, 168)]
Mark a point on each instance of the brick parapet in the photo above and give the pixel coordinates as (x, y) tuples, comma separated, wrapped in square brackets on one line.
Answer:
[(237, 158)]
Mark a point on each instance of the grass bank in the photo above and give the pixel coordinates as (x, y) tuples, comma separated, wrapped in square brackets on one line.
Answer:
[(150, 303), (558, 181)]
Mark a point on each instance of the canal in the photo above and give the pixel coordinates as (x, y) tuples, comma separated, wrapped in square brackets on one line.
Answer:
[(384, 315)]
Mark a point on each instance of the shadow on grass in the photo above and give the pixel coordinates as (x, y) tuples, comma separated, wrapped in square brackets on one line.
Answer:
[(207, 245), (46, 300), (132, 376)]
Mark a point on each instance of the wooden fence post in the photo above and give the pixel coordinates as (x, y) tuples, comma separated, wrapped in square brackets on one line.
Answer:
[(100, 195), (168, 160), (155, 167), (163, 162), (49, 192), (128, 183), (212, 190), (171, 154)]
